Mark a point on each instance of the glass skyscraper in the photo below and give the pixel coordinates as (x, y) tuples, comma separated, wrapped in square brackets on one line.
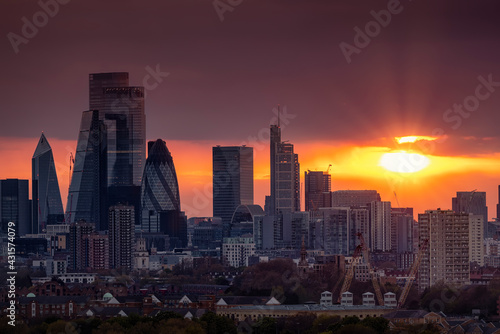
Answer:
[(121, 108), (160, 190), (87, 198), (285, 175), (47, 204), (232, 181), (15, 206)]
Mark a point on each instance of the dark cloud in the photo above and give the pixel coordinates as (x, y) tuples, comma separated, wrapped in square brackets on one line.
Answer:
[(225, 77)]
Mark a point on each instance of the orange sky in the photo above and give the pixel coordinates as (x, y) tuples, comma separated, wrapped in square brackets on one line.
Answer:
[(353, 167)]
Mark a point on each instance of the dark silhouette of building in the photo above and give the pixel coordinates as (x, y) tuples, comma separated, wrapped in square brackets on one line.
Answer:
[(121, 235), (87, 198), (285, 174), (79, 245), (318, 185), (15, 206), (232, 181), (46, 196), (160, 201), (121, 108), (472, 202)]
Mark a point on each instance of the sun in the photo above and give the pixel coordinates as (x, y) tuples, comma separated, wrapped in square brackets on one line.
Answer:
[(404, 162)]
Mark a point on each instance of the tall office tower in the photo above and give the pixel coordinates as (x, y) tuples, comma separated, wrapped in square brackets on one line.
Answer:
[(472, 202), (446, 257), (121, 108), (45, 193), (380, 218), (402, 230), (88, 187), (98, 250), (317, 187), (121, 235), (285, 174), (360, 222), (15, 207), (353, 198), (160, 201), (476, 240), (232, 181), (78, 245), (332, 232)]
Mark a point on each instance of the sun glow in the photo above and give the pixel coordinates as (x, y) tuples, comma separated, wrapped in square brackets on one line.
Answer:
[(404, 162), (412, 139)]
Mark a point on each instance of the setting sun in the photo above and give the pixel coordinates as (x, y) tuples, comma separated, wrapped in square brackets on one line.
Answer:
[(404, 162)]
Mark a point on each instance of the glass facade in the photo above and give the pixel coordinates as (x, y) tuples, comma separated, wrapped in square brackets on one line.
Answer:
[(285, 175), (160, 201), (88, 188), (47, 204), (14, 206), (232, 181), (121, 108)]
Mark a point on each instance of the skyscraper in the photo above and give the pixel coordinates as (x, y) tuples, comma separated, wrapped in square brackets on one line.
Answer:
[(232, 181), (402, 230), (498, 205), (160, 201), (15, 206), (317, 184), (121, 108), (79, 244), (380, 221), (285, 174), (472, 202), (446, 257), (87, 192), (121, 235), (46, 196)]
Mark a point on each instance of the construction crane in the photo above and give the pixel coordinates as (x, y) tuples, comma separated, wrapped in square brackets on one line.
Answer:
[(362, 250), (397, 201), (350, 272), (71, 165), (366, 256), (412, 273), (328, 169)]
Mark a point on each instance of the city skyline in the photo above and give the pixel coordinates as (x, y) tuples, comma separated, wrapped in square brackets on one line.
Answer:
[(344, 111)]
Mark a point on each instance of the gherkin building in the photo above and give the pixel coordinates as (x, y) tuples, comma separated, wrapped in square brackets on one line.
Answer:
[(160, 201)]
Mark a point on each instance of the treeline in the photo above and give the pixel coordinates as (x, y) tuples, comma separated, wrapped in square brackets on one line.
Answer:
[(163, 323), (453, 301)]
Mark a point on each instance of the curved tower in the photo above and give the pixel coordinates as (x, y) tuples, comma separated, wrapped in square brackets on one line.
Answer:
[(160, 201)]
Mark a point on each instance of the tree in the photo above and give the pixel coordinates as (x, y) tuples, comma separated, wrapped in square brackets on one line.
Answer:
[(215, 324), (265, 325)]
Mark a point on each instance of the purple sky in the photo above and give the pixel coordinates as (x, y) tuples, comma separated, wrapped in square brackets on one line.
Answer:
[(225, 77)]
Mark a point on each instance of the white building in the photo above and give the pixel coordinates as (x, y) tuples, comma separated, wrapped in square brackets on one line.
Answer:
[(235, 251)]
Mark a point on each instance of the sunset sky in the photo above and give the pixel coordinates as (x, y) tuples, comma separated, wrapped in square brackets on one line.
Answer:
[(225, 77)]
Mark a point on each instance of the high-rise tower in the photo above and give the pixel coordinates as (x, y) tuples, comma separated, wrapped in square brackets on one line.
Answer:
[(15, 207), (121, 108), (160, 201), (318, 185), (47, 204), (285, 174), (121, 235), (87, 198), (232, 181), (472, 202)]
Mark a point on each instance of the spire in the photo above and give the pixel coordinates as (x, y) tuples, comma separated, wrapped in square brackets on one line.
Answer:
[(42, 147)]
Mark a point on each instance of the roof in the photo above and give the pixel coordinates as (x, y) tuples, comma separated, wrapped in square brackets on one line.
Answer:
[(405, 314), (54, 299), (243, 300)]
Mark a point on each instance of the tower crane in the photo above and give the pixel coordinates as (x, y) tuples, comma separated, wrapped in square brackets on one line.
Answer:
[(412, 273), (362, 250)]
